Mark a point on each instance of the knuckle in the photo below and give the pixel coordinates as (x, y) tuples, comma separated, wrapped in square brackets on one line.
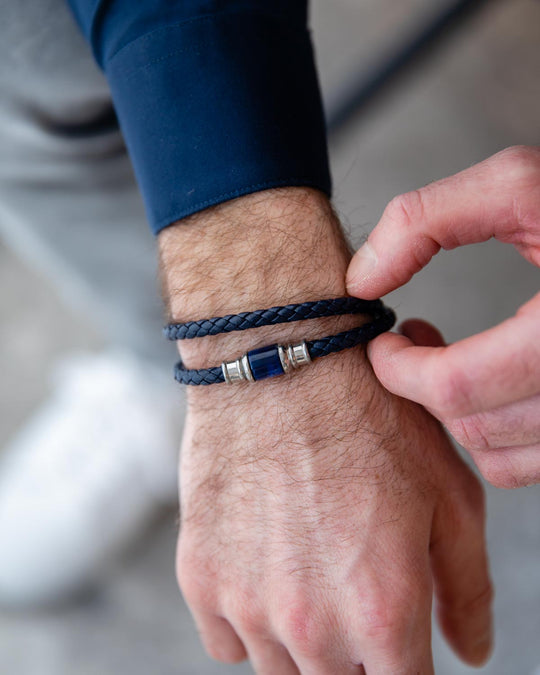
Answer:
[(302, 629), (387, 628), (387, 620), (195, 583), (409, 214), (500, 472), (407, 209), (248, 617), (471, 432), (452, 392), (191, 588), (520, 161), (520, 166)]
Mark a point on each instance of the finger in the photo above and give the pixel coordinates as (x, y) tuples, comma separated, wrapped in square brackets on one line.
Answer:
[(460, 569), (491, 369), (422, 333), (471, 206), (400, 649), (510, 468), (313, 636), (269, 657), (219, 638), (391, 610), (508, 426)]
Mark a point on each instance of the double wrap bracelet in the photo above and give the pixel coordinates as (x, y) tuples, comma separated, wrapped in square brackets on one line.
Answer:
[(276, 359)]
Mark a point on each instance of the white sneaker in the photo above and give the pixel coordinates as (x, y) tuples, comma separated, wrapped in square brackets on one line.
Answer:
[(85, 475)]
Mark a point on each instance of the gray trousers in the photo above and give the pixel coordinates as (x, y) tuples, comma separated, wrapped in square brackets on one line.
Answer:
[(68, 200)]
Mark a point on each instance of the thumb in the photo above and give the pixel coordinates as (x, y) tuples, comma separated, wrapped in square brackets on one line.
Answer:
[(469, 207)]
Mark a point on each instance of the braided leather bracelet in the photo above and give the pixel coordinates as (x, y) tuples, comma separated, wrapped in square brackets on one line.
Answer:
[(271, 316), (275, 359)]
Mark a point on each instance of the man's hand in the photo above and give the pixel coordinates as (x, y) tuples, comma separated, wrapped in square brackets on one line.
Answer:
[(318, 510), (485, 389)]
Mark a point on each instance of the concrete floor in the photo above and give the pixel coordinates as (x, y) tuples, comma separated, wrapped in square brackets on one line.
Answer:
[(476, 96)]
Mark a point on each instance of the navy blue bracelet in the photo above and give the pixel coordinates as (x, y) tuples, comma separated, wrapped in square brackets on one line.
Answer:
[(272, 360), (271, 316)]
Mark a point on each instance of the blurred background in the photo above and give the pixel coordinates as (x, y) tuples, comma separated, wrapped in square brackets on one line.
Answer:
[(476, 93)]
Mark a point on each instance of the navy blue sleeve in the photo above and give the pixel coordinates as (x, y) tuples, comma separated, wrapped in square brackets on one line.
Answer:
[(215, 98)]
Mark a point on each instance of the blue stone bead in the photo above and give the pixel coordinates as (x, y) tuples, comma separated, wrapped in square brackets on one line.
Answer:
[(265, 362)]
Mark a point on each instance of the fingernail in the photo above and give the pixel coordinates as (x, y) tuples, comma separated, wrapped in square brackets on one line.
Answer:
[(362, 265)]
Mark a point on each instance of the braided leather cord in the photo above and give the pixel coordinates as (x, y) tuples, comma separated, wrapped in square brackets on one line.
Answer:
[(203, 376), (350, 338), (383, 321), (271, 316)]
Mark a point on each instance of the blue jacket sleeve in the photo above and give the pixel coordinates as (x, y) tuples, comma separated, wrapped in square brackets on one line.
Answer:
[(215, 98)]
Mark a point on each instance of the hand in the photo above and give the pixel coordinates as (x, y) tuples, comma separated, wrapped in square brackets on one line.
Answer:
[(318, 510), (485, 389), (314, 519)]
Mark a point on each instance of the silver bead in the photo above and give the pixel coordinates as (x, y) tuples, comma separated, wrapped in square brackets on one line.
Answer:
[(298, 354), (294, 356), (284, 358), (237, 371)]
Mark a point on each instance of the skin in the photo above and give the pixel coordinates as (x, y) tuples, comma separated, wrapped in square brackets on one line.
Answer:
[(319, 512), (486, 388)]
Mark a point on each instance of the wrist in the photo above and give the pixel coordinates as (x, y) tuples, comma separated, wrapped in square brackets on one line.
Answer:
[(271, 248), (274, 247)]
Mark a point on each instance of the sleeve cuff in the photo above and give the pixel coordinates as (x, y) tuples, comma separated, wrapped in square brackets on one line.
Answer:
[(217, 107)]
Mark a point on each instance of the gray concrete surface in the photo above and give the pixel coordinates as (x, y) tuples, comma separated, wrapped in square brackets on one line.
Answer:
[(477, 96)]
